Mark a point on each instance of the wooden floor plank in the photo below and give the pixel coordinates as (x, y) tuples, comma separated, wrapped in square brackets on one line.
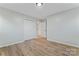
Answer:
[(39, 47)]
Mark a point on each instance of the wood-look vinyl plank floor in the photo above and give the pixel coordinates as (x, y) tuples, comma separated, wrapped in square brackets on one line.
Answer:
[(39, 47)]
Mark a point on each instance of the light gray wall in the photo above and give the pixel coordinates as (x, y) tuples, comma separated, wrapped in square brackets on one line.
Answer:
[(64, 27), (13, 26)]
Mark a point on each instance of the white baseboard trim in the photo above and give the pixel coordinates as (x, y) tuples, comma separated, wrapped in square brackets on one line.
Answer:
[(65, 43), (12, 43)]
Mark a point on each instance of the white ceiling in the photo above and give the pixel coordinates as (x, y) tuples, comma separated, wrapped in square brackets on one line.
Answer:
[(39, 12)]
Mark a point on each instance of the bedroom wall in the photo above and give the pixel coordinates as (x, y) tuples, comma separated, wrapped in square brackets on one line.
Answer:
[(13, 27), (63, 27)]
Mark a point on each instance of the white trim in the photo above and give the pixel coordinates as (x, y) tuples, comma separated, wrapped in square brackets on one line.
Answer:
[(65, 43), (12, 43)]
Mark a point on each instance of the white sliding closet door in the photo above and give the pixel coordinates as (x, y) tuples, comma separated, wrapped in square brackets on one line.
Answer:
[(29, 29)]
